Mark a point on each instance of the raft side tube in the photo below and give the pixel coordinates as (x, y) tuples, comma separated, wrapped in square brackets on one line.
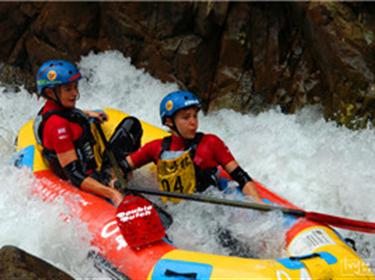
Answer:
[(317, 252)]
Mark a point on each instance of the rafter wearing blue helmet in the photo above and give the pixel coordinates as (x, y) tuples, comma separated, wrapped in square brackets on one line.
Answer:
[(54, 73), (189, 161), (65, 132)]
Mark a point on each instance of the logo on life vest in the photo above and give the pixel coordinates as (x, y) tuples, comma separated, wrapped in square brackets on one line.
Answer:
[(169, 105), (51, 75)]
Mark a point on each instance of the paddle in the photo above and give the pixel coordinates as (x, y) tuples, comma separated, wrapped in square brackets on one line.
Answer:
[(341, 222), (136, 217), (139, 222), (345, 223)]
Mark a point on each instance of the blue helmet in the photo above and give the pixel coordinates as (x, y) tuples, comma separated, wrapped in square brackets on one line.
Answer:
[(176, 101), (54, 73)]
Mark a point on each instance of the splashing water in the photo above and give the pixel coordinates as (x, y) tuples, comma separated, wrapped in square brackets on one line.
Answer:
[(312, 163)]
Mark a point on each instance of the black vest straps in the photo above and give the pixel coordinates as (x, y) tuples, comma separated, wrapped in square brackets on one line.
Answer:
[(83, 145), (192, 144)]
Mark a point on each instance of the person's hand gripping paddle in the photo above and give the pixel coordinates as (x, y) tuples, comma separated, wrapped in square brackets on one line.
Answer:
[(136, 217)]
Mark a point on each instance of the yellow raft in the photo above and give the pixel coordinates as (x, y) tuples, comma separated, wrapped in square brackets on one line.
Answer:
[(316, 250)]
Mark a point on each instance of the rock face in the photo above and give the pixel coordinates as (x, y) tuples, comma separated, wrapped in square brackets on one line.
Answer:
[(343, 40), (242, 55), (17, 264)]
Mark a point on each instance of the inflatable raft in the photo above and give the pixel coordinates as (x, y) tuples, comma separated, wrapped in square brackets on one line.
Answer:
[(316, 250)]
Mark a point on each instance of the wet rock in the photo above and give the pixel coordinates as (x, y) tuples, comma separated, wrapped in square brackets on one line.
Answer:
[(12, 78), (234, 73), (13, 22), (272, 65), (248, 56), (176, 43), (343, 54), (18, 264), (64, 29)]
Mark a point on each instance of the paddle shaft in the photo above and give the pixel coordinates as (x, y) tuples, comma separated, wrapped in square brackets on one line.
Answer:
[(345, 223), (356, 225), (115, 166), (219, 201)]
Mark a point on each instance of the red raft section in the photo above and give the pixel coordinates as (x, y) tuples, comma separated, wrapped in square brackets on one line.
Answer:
[(99, 215)]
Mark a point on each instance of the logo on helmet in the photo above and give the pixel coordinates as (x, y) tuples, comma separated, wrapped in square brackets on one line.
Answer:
[(169, 105), (191, 102), (51, 75)]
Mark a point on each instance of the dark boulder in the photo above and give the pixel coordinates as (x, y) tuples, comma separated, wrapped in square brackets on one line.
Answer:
[(18, 264)]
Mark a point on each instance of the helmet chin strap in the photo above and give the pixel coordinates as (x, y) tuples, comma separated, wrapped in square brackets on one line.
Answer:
[(174, 127), (57, 98)]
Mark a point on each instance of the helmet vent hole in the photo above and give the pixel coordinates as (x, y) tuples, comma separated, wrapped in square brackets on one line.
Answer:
[(70, 72)]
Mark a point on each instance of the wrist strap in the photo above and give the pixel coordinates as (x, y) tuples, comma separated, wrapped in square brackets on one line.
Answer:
[(240, 176)]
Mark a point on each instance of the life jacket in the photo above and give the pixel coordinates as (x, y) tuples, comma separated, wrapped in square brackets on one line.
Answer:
[(180, 174), (84, 145)]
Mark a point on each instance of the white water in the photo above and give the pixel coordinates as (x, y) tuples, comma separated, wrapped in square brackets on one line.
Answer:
[(312, 163)]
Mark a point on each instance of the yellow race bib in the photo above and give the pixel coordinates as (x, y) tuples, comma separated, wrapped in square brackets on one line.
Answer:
[(176, 175)]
